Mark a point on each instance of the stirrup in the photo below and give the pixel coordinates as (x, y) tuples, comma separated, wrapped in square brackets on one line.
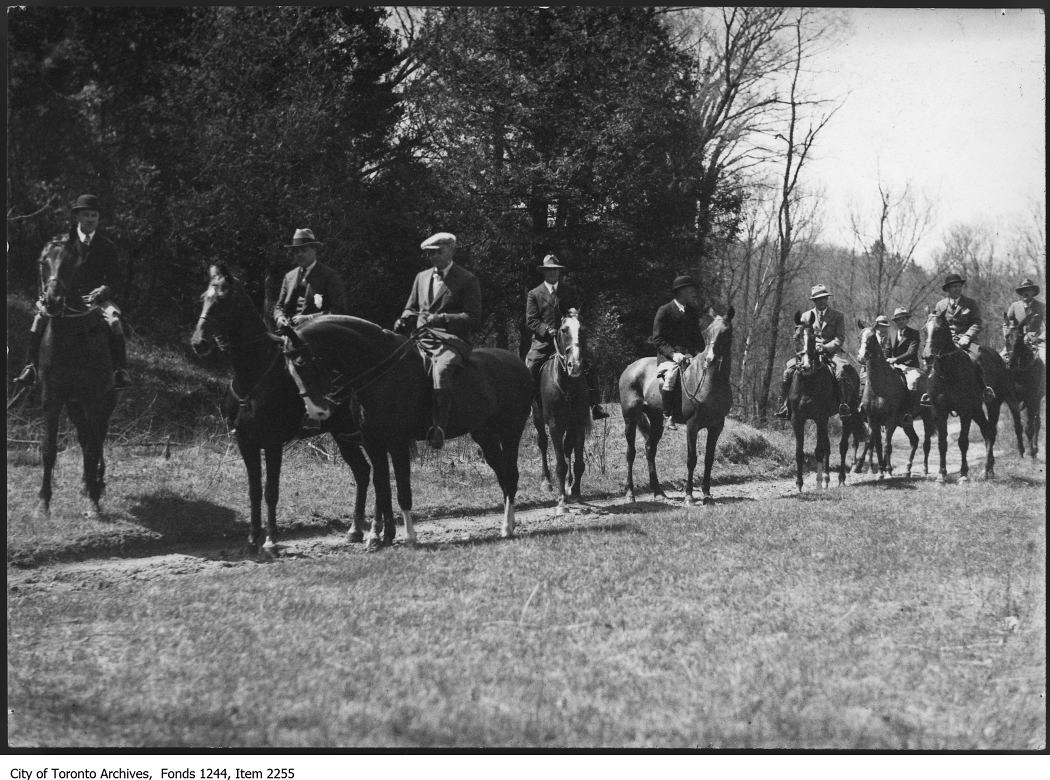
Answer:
[(925, 401), (989, 394), (121, 379), (844, 410), (28, 376)]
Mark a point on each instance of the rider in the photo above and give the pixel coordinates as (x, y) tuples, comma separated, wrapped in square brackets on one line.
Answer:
[(309, 289), (446, 301), (678, 336), (545, 305), (96, 280), (829, 330), (964, 319), (1030, 314), (904, 349)]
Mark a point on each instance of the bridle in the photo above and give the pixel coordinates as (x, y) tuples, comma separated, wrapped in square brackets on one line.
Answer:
[(712, 363)]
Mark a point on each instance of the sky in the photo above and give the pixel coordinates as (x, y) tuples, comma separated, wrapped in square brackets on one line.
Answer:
[(950, 101)]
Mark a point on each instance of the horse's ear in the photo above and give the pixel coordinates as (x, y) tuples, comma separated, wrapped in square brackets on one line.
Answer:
[(798, 317), (927, 310), (711, 312), (730, 313), (861, 325)]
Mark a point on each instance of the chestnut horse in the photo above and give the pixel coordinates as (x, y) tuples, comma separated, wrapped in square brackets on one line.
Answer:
[(262, 404), (561, 406), (704, 399), (388, 377)]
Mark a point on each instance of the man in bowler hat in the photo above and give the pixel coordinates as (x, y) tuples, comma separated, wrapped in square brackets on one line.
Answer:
[(678, 336)]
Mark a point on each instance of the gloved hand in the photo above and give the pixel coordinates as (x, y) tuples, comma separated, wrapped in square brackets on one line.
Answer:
[(400, 326), (282, 322), (678, 358), (820, 347), (964, 341), (98, 294)]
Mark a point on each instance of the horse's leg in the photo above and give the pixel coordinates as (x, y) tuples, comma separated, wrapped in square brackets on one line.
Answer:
[(401, 458), (823, 448), (91, 452), (274, 457), (541, 442), (692, 430), (964, 445), (561, 467), (384, 514), (579, 464), (913, 440), (502, 457), (942, 442), (358, 463), (875, 445), (1015, 413), (713, 432), (630, 426), (989, 427), (656, 430), (799, 425), (49, 453), (891, 428), (1032, 426), (847, 428), (252, 457), (927, 434)]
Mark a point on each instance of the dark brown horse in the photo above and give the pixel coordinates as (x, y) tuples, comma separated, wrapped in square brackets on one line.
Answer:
[(1028, 373), (76, 373), (387, 376), (815, 395), (561, 406), (262, 404), (955, 386), (703, 402), (887, 403)]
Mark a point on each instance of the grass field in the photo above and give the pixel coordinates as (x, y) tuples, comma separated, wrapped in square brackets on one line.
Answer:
[(885, 615)]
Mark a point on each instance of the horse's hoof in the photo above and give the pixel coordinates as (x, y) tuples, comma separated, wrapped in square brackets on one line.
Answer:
[(372, 545), (560, 510), (506, 533), (629, 495), (659, 494), (269, 549), (410, 541), (963, 479), (546, 487), (575, 498), (42, 511), (688, 501), (882, 476), (707, 500), (942, 478), (93, 512), (354, 537)]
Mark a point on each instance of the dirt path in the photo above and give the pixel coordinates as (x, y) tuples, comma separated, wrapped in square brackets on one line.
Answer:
[(189, 559)]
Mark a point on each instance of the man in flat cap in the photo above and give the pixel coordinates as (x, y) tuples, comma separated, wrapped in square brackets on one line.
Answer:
[(545, 305), (445, 304), (96, 285), (678, 336), (309, 289), (829, 331), (964, 320), (1030, 314)]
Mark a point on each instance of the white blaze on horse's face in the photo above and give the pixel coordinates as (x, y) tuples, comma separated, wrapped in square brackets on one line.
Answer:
[(862, 354), (569, 337)]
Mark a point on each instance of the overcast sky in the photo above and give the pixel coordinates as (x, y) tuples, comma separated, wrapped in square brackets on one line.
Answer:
[(951, 100)]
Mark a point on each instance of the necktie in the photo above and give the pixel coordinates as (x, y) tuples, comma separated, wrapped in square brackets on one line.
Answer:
[(435, 278), (554, 297)]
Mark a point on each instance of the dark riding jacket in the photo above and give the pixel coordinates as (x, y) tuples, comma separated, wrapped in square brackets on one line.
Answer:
[(543, 314), (97, 264), (321, 292), (456, 304), (963, 318), (675, 330), (904, 350)]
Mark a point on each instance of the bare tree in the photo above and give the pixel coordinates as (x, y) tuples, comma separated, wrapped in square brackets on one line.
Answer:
[(887, 248)]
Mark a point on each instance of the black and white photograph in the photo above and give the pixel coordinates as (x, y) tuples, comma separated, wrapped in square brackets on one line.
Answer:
[(522, 379)]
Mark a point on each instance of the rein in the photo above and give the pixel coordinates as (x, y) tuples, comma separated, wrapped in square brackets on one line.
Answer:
[(243, 401)]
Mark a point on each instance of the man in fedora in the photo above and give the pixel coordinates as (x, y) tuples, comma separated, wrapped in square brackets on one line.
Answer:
[(903, 355), (678, 336), (445, 301), (1030, 314), (96, 282), (545, 305), (964, 319), (309, 289), (829, 331)]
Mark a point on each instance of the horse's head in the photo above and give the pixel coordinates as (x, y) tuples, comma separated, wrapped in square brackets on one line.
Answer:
[(938, 336), (57, 271), (869, 344), (805, 344), (310, 376), (568, 341), (719, 338), (227, 315), (1018, 352)]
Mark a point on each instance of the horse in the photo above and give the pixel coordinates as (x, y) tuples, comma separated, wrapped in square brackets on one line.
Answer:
[(814, 395), (76, 373), (887, 402), (954, 386), (705, 397), (1028, 374), (561, 406), (262, 404), (388, 377)]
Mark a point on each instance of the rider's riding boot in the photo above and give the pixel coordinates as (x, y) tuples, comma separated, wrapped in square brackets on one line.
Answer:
[(668, 407), (989, 393), (784, 412), (442, 405), (29, 374), (118, 349)]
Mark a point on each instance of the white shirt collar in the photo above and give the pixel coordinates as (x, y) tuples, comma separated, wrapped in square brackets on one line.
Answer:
[(85, 237), (679, 304), (551, 288), (444, 272)]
